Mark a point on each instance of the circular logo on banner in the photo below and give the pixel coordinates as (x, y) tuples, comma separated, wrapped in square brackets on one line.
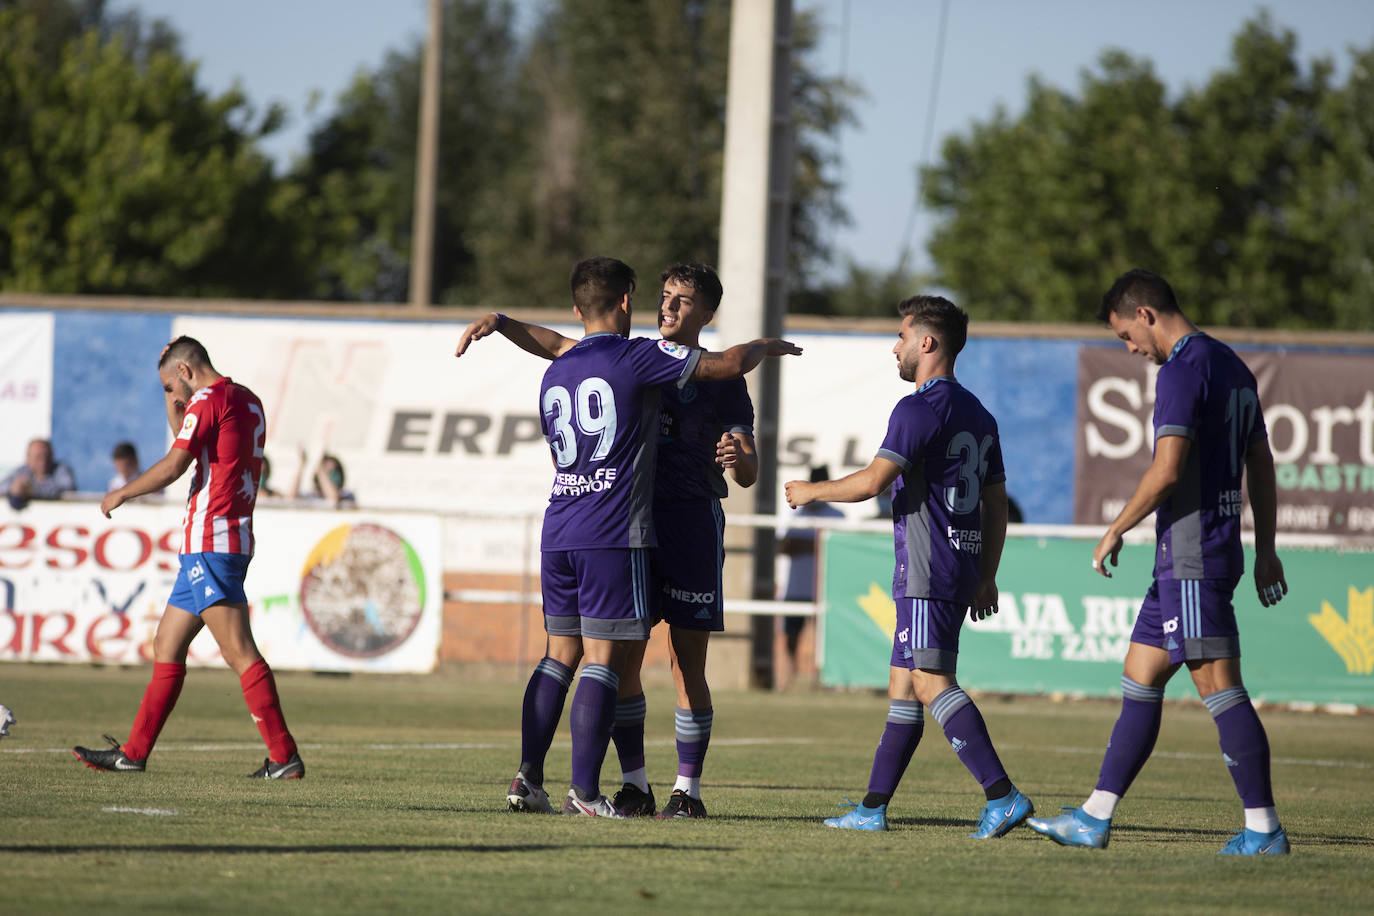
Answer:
[(362, 590)]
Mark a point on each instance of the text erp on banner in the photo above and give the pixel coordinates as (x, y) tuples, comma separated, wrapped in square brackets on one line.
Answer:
[(335, 591)]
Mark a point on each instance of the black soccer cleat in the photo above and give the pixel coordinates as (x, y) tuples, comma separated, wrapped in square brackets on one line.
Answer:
[(114, 759), (292, 769), (680, 804), (632, 801)]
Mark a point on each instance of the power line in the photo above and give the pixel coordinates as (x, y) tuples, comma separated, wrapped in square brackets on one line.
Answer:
[(931, 107)]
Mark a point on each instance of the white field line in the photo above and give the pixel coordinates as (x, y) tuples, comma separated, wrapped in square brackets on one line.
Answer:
[(149, 812), (715, 742), (173, 747)]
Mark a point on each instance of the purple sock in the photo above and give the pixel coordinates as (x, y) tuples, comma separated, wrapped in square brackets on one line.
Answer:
[(905, 724), (1244, 745), (628, 732), (968, 735), (593, 711), (1133, 736), (693, 736), (544, 696)]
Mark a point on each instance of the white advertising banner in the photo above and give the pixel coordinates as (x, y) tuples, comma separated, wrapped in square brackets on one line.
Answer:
[(417, 428), (330, 591), (25, 383)]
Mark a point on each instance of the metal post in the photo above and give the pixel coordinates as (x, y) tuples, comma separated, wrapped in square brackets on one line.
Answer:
[(754, 240), (426, 167)]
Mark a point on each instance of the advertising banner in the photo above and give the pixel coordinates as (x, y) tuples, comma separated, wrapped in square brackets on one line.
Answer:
[(1319, 408), (1062, 628), (335, 591), (416, 428), (25, 383)]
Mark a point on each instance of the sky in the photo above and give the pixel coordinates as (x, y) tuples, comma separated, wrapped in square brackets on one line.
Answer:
[(303, 54)]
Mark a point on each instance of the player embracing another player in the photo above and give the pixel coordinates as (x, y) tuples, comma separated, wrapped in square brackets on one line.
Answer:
[(706, 429), (220, 425), (599, 405)]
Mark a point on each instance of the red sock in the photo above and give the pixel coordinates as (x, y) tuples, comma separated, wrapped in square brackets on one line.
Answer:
[(260, 693), (157, 704)]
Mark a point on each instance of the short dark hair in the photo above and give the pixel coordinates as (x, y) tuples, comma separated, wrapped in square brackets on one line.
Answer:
[(185, 349), (947, 320), (703, 280), (599, 283), (1135, 288), (124, 451)]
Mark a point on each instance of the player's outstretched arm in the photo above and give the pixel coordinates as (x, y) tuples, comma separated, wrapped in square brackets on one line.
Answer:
[(993, 506), (1171, 454), (1263, 489), (852, 488), (736, 453), (532, 338), (741, 358), (168, 468)]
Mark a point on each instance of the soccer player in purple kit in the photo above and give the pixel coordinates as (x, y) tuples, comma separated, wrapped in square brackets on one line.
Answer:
[(1209, 430), (704, 427), (599, 406), (942, 458)]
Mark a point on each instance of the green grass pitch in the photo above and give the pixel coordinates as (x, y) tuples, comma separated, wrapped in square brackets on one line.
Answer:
[(403, 806)]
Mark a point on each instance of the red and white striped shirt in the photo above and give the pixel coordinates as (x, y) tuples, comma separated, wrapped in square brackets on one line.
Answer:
[(225, 429)]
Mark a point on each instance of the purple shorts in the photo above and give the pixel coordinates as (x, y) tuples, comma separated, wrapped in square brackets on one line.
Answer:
[(687, 563), (927, 634), (599, 594), (1192, 619)]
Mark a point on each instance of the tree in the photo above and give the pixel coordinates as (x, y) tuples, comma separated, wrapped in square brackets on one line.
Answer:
[(603, 132), (1250, 193), (359, 177), (120, 175)]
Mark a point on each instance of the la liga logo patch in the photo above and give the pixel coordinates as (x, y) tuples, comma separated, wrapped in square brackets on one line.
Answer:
[(675, 350)]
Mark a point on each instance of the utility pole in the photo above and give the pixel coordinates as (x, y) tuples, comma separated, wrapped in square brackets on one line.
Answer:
[(755, 224), (426, 167)]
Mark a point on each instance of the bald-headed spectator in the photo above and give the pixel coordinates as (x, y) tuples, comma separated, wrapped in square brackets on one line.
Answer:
[(39, 477)]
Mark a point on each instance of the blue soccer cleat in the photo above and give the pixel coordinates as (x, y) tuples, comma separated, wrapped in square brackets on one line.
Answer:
[(859, 817), (1002, 814), (1253, 843), (1074, 829)]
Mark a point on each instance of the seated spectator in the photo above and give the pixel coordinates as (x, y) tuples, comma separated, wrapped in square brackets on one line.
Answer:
[(39, 477), (327, 484), (125, 460), (264, 488)]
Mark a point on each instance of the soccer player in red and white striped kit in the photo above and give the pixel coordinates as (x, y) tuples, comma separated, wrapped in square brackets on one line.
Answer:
[(220, 425)]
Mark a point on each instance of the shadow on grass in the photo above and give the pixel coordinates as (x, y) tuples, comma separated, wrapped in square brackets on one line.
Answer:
[(1199, 833), (336, 848)]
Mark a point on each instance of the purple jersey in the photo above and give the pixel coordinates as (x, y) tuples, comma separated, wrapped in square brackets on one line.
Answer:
[(1206, 394), (946, 444), (599, 412), (691, 420)]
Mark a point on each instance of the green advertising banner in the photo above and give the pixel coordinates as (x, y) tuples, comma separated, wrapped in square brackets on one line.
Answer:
[(1062, 628)]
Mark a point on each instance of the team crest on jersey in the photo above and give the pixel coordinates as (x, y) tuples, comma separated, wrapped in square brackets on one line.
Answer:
[(188, 426), (675, 350)]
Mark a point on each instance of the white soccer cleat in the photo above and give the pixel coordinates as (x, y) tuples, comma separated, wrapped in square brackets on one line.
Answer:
[(524, 795), (602, 807), (6, 720)]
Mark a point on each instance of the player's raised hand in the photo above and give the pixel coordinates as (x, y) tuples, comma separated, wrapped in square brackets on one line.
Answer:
[(798, 493), (482, 327), (776, 346), (1109, 546), (1269, 580)]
